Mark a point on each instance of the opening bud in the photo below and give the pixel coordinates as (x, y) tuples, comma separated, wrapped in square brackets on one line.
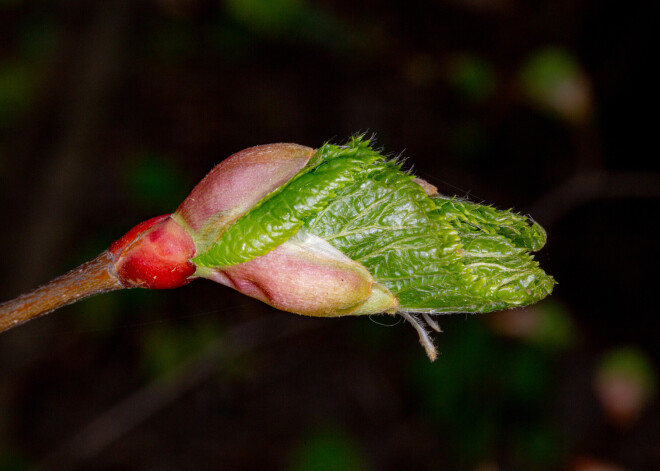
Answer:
[(154, 254)]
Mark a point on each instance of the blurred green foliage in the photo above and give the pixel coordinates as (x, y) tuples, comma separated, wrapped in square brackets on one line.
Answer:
[(489, 394), (537, 447), (554, 330), (39, 38), (329, 449), (472, 76), (168, 345), (172, 41), (553, 80), (629, 362), (266, 16), (105, 313), (18, 82), (98, 313), (11, 459), (21, 70), (154, 182), (287, 20)]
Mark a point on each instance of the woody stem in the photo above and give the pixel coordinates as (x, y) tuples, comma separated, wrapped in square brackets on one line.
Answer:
[(93, 277)]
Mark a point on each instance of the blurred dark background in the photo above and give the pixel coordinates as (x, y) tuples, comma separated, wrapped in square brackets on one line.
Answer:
[(110, 112)]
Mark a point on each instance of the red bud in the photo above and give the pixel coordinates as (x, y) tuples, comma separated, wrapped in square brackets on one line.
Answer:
[(154, 254)]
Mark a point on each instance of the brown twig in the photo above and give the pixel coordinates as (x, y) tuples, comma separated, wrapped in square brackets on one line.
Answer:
[(55, 181), (95, 276)]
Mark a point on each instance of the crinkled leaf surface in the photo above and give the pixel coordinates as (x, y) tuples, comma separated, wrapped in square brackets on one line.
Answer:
[(384, 222), (435, 254), (279, 215), (498, 271)]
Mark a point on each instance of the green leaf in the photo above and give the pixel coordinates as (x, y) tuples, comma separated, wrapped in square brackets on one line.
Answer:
[(281, 214), (479, 219), (385, 223), (436, 255), (497, 271)]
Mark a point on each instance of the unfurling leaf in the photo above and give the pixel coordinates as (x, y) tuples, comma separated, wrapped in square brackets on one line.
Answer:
[(416, 252), (333, 232)]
